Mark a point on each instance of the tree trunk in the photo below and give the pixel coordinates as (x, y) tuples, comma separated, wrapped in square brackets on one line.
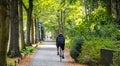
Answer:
[(29, 19), (4, 32), (58, 20), (108, 5), (85, 8), (36, 33), (32, 32), (28, 29), (61, 21), (21, 25), (64, 19), (116, 9), (42, 32), (14, 37)]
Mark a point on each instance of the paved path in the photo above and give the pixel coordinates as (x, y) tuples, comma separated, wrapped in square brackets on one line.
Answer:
[(46, 56)]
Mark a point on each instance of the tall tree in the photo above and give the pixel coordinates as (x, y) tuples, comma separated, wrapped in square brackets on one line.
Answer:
[(116, 9), (85, 8), (4, 31), (21, 24), (36, 30), (14, 35), (109, 8), (42, 32), (63, 17), (29, 19), (32, 31), (58, 21)]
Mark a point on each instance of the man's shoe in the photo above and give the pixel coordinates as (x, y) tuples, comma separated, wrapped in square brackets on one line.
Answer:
[(62, 57), (57, 53)]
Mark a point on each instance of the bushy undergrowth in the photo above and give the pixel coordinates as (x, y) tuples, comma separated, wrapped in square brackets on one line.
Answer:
[(76, 48), (99, 31), (91, 50), (88, 51), (10, 62), (28, 50), (116, 59)]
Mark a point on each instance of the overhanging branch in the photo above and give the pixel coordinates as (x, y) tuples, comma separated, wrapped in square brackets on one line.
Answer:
[(24, 6)]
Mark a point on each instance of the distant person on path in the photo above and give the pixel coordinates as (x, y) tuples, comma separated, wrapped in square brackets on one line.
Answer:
[(60, 42)]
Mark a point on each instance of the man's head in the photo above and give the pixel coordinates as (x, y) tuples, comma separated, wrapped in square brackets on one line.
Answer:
[(60, 34)]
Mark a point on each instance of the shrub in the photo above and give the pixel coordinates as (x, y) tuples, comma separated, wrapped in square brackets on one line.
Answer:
[(116, 58), (28, 50), (91, 50), (76, 49), (10, 61), (10, 64)]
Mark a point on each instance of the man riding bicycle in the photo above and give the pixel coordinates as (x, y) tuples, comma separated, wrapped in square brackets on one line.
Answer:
[(60, 42)]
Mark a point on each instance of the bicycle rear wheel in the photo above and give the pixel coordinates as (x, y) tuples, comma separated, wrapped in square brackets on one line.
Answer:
[(60, 50)]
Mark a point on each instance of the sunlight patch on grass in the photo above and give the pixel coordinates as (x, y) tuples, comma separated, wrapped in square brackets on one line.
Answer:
[(10, 62)]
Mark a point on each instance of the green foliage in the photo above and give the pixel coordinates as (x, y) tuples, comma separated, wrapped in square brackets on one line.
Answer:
[(86, 34), (76, 48), (108, 30), (10, 62), (72, 1), (28, 50), (98, 32), (116, 59), (91, 49), (13, 53)]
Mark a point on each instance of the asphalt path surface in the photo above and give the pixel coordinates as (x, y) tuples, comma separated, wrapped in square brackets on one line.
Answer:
[(46, 55)]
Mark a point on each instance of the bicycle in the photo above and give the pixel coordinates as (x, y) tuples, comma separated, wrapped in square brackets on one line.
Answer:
[(60, 51)]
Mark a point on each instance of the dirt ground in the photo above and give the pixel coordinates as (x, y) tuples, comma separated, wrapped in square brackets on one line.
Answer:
[(25, 61), (71, 61)]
